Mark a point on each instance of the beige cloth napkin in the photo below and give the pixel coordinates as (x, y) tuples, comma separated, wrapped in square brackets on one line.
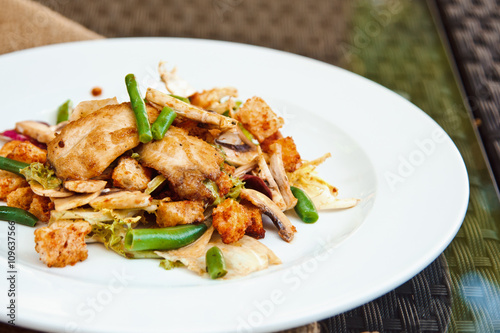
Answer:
[(25, 24)]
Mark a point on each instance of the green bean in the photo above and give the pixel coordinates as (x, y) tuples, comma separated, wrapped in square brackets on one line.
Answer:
[(216, 265), (163, 122), (139, 107), (63, 111), (304, 208), (17, 215), (11, 165), (180, 98), (163, 238)]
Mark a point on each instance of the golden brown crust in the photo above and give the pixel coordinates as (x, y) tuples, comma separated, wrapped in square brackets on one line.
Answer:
[(231, 220), (185, 161), (20, 198), (8, 147), (23, 151), (256, 228), (87, 146), (224, 184), (257, 117), (130, 175), (170, 214), (10, 182), (41, 207), (62, 245), (196, 129), (290, 155)]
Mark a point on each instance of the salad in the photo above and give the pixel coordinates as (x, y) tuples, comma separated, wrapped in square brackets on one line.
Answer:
[(184, 176)]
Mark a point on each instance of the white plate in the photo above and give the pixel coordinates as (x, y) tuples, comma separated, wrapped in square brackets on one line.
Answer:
[(407, 172)]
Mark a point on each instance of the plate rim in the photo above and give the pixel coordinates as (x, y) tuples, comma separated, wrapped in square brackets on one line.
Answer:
[(318, 314)]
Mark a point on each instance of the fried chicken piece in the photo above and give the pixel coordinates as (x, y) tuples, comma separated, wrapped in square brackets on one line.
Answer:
[(87, 107), (198, 130), (62, 244), (41, 207), (10, 182), (231, 220), (23, 151), (186, 161), (87, 146), (290, 155), (224, 184), (170, 214), (24, 198), (130, 175), (8, 147), (257, 117), (20, 198), (256, 228)]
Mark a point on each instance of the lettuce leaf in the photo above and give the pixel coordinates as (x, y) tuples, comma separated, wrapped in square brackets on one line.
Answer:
[(41, 174), (112, 235)]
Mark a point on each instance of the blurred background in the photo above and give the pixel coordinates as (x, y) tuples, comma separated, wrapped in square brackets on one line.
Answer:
[(442, 55)]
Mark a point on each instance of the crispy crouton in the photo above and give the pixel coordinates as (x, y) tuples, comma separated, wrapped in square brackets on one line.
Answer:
[(224, 184), (130, 175), (62, 244), (10, 182), (208, 99), (173, 213), (8, 147), (231, 220), (229, 169), (266, 144), (20, 198), (290, 155), (257, 117), (256, 228), (25, 151), (41, 207)]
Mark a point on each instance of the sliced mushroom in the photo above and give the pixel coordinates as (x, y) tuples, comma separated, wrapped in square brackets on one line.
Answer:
[(74, 201), (122, 200), (38, 189), (238, 148), (285, 228), (189, 111), (36, 130), (266, 175), (85, 186), (232, 140), (256, 183), (279, 174)]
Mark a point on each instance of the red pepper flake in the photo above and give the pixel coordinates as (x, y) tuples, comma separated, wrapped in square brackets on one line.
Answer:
[(96, 91)]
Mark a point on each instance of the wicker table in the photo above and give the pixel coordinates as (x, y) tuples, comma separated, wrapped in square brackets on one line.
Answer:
[(442, 55)]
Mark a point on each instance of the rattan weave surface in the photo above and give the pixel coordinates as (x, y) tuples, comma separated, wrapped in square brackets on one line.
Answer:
[(396, 44), (473, 28)]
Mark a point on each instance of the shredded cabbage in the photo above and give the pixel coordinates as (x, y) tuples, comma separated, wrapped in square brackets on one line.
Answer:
[(112, 235), (41, 174), (154, 183), (323, 195)]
